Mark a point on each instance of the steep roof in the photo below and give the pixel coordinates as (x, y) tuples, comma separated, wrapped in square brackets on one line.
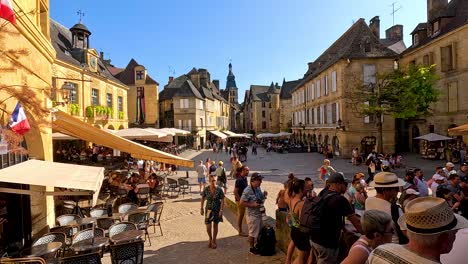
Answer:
[(287, 88), (259, 92), (231, 79), (349, 46), (179, 87), (456, 15), (127, 76), (60, 37)]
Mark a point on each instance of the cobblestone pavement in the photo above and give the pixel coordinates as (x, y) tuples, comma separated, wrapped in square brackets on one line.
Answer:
[(275, 167), (185, 239)]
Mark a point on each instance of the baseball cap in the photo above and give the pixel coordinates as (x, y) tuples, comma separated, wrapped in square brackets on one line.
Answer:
[(256, 177), (449, 164), (337, 177)]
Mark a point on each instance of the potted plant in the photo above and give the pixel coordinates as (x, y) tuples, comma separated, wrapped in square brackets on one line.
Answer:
[(74, 109), (109, 112), (90, 111), (121, 114)]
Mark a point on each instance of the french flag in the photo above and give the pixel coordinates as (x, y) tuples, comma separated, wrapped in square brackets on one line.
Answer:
[(6, 11), (18, 121)]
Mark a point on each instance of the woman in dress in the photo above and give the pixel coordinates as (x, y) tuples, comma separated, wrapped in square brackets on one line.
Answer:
[(213, 210)]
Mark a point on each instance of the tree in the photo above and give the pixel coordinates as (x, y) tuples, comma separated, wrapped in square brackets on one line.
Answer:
[(403, 93)]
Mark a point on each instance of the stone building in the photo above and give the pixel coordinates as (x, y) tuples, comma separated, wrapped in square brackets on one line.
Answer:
[(262, 109), (286, 104), (194, 103), (142, 96), (320, 111), (441, 40), (231, 95), (96, 96), (26, 57)]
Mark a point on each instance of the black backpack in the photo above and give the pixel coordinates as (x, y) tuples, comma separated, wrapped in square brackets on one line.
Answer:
[(266, 242), (312, 212)]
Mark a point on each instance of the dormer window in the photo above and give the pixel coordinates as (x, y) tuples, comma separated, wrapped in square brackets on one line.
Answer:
[(367, 46), (140, 75), (416, 39), (435, 27)]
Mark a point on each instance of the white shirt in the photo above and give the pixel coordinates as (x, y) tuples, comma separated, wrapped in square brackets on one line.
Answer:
[(374, 203), (434, 188), (458, 253), (393, 253)]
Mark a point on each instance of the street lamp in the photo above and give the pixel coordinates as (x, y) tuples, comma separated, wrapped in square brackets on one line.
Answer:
[(65, 91)]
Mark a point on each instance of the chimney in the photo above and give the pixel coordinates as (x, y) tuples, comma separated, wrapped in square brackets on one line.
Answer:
[(434, 7), (394, 33), (170, 79), (216, 83), (101, 55), (204, 77), (375, 26)]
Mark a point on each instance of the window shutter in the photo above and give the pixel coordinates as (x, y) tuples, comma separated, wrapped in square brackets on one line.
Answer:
[(329, 113), (431, 58), (313, 91), (318, 88), (369, 74), (334, 81), (366, 118), (454, 56), (181, 103), (337, 112), (180, 124), (333, 113)]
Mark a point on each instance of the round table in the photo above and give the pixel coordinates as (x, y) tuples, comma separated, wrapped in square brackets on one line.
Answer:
[(84, 221), (127, 236), (41, 250), (90, 244)]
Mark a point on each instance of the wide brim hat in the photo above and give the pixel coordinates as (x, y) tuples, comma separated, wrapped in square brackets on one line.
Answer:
[(430, 216), (386, 179)]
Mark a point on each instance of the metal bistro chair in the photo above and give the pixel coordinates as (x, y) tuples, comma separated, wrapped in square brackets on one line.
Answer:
[(141, 220), (143, 193), (121, 194), (52, 237), (127, 253), (98, 212), (158, 193), (105, 223), (184, 186), (87, 234), (172, 186), (121, 227), (66, 219), (69, 231), (91, 258), (156, 209), (127, 208), (30, 260)]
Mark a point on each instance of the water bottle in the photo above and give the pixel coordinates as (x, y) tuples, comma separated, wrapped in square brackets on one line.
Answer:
[(109, 209)]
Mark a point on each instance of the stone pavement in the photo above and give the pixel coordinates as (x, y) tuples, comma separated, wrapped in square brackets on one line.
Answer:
[(185, 239), (275, 167)]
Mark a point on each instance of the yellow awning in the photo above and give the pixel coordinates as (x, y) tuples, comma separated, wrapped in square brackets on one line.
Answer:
[(459, 130), (72, 126)]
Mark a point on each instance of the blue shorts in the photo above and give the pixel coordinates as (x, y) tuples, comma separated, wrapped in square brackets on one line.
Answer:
[(202, 180)]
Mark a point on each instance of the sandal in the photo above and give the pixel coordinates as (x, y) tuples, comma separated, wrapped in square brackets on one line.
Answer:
[(214, 246), (210, 244)]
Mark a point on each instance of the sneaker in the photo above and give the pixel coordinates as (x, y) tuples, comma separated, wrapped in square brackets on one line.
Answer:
[(254, 251)]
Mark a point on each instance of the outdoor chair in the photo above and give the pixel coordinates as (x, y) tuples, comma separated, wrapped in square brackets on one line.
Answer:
[(127, 208), (143, 193), (156, 209), (121, 194), (127, 253), (184, 186), (91, 258), (140, 219), (30, 260), (98, 212), (121, 227), (66, 219), (68, 230), (158, 193), (52, 237), (172, 186), (87, 234), (105, 223)]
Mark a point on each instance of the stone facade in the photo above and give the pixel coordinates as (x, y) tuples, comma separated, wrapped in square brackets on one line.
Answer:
[(31, 69), (443, 41), (194, 103), (93, 85), (286, 104), (320, 111), (262, 109), (143, 94)]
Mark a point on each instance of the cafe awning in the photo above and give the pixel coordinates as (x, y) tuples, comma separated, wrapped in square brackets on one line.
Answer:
[(72, 126), (175, 131), (232, 134), (61, 136), (54, 174), (218, 134), (459, 130), (433, 137), (136, 134)]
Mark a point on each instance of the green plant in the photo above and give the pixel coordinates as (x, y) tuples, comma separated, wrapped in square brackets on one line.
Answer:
[(90, 111), (74, 109), (109, 111), (121, 114)]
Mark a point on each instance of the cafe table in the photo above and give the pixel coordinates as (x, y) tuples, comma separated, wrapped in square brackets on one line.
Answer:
[(90, 245), (127, 236), (42, 250)]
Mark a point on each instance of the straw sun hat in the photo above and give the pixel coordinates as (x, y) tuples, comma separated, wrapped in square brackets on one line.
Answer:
[(430, 215), (386, 180)]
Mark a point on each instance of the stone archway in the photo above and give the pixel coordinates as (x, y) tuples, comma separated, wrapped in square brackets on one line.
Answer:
[(121, 127), (314, 139), (111, 127), (325, 140)]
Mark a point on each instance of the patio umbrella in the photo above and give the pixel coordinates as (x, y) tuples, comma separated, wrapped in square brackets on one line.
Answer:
[(434, 137), (459, 130)]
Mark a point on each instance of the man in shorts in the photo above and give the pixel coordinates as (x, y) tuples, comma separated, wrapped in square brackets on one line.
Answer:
[(253, 199), (239, 187), (201, 172)]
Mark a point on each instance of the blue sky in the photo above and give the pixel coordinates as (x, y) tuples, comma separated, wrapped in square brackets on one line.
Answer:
[(265, 39)]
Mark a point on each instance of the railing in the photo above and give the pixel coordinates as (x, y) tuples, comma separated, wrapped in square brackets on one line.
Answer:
[(11, 159)]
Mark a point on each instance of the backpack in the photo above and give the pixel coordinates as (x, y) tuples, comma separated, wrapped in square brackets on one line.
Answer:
[(312, 212), (402, 238), (222, 178), (266, 242)]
